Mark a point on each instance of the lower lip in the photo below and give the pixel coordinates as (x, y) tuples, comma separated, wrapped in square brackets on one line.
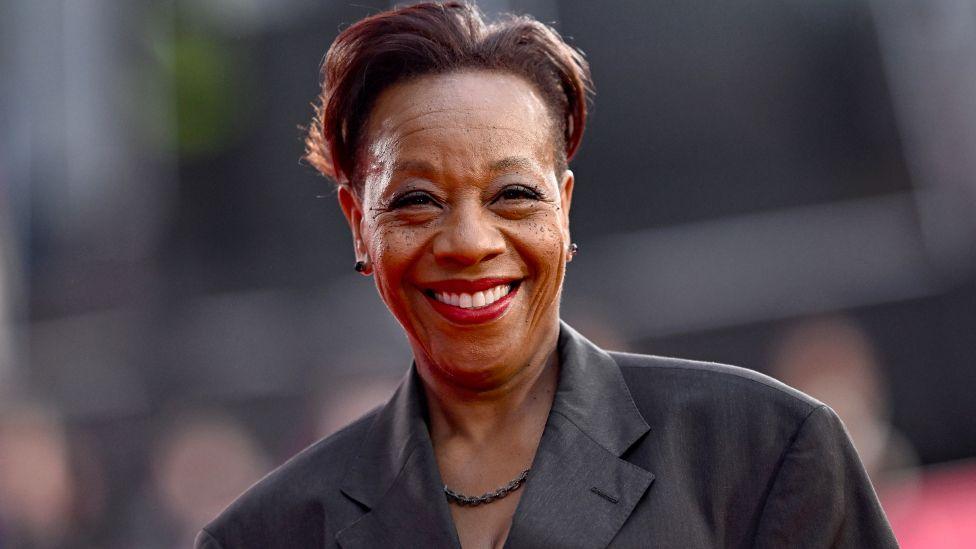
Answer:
[(473, 316)]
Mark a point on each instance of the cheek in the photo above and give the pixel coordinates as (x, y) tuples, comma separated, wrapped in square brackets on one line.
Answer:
[(393, 250), (543, 241)]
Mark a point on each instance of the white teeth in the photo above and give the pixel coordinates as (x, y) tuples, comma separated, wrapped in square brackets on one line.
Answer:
[(475, 300)]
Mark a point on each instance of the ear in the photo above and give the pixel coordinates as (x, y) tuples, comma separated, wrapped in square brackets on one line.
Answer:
[(352, 208), (566, 198)]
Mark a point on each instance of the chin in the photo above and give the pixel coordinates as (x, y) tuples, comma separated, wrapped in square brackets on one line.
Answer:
[(474, 359)]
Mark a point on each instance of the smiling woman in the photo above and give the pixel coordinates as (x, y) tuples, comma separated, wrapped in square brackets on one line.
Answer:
[(449, 140)]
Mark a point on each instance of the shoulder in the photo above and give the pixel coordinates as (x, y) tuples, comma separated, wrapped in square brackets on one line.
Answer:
[(706, 391), (296, 497), (780, 461), (736, 423)]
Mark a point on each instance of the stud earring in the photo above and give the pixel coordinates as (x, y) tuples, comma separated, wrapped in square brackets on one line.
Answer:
[(360, 266), (573, 250)]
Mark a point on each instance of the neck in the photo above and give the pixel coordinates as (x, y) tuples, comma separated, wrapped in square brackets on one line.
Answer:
[(520, 402)]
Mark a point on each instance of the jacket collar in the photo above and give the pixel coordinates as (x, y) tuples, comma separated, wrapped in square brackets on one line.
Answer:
[(593, 395), (577, 473)]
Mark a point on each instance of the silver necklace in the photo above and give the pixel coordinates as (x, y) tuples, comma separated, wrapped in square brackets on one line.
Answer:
[(487, 497)]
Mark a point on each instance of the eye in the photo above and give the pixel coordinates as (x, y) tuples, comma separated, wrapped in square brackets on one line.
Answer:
[(518, 192), (412, 198)]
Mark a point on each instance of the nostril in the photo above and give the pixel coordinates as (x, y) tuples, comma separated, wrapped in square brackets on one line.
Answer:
[(468, 238)]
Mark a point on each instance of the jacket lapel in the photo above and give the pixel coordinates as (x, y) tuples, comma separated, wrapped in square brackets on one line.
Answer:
[(580, 492), (395, 477)]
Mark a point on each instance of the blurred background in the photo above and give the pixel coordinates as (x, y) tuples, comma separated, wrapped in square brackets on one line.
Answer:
[(784, 185)]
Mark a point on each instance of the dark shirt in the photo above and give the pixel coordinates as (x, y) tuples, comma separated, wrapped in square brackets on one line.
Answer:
[(638, 451)]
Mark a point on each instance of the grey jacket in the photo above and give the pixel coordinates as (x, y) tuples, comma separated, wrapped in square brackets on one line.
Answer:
[(638, 451)]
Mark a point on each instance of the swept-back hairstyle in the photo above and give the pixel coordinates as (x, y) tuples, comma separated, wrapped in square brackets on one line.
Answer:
[(435, 38)]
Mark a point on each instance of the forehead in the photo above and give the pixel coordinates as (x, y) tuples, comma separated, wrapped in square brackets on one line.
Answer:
[(468, 119)]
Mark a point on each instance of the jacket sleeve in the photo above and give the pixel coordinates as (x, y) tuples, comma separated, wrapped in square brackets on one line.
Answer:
[(821, 497)]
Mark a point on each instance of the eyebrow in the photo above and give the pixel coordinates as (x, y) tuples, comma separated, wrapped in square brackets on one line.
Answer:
[(421, 166), (512, 163)]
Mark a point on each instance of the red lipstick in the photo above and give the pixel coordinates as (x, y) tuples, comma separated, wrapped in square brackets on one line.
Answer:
[(467, 286), (460, 315)]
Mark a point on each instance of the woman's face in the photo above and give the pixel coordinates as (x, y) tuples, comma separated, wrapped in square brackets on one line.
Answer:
[(465, 222)]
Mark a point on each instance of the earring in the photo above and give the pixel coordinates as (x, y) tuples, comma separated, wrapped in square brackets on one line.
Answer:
[(362, 265), (573, 250)]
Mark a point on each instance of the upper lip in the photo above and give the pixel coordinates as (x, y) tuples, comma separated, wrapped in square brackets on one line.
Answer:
[(468, 286)]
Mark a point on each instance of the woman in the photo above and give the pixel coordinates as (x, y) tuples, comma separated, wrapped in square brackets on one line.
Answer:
[(449, 141)]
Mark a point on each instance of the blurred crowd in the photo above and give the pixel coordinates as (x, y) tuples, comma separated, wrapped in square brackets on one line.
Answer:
[(57, 480)]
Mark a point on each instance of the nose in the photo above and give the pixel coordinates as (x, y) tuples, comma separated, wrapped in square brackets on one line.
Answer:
[(468, 237)]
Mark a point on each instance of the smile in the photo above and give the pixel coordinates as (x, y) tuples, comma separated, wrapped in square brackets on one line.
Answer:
[(475, 300), (472, 302)]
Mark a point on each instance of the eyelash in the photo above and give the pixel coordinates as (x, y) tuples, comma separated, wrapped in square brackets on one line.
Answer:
[(411, 198), (523, 193)]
